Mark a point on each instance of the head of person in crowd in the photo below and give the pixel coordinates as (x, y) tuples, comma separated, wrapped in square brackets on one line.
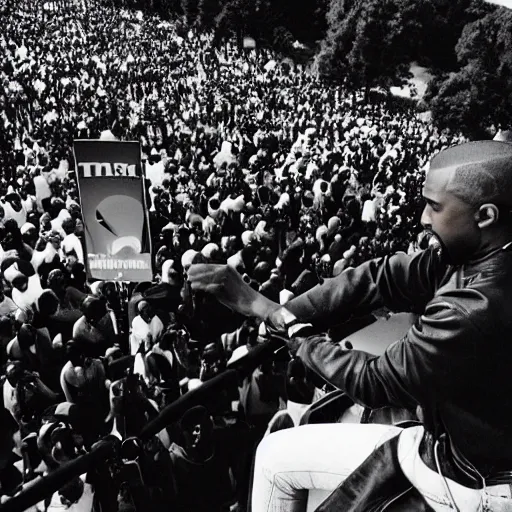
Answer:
[(109, 292), (468, 192), (45, 223), (55, 239), (249, 333), (11, 235), (196, 427), (79, 227), (14, 199), (29, 234), (57, 282), (69, 225), (27, 338), (76, 355), (146, 311), (213, 361), (48, 304), (17, 273), (94, 310)]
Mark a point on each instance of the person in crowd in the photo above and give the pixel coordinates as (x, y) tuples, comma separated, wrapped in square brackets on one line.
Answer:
[(7, 306), (197, 464), (460, 287), (71, 245), (84, 383), (58, 321), (146, 327), (94, 329), (290, 180)]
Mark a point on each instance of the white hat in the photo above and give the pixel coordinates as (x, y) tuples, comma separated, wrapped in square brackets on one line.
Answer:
[(187, 258), (26, 227)]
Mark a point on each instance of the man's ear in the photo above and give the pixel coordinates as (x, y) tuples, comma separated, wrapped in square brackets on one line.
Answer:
[(487, 215)]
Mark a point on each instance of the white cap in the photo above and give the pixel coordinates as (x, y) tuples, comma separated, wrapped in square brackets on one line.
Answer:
[(187, 258), (26, 227)]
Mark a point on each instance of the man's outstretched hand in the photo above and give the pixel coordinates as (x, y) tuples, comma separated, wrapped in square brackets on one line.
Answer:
[(227, 285)]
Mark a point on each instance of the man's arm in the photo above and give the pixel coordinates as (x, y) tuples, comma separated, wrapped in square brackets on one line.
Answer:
[(398, 282), (436, 357)]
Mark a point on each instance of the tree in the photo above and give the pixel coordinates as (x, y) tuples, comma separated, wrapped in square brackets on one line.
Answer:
[(245, 18), (478, 94), (370, 42), (304, 20), (207, 11), (442, 24), (190, 10)]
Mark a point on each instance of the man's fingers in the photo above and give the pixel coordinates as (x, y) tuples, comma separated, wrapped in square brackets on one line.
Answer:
[(203, 274), (199, 270), (211, 289)]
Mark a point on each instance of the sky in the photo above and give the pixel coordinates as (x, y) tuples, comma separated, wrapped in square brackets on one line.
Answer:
[(504, 3)]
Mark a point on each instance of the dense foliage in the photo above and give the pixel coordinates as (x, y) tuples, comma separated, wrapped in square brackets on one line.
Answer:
[(371, 43)]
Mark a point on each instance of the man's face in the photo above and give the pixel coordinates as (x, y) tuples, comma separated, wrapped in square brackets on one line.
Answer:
[(55, 241), (193, 437), (79, 228), (450, 219)]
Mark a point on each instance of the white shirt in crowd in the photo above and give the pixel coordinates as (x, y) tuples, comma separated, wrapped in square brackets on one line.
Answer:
[(57, 222), (43, 191), (141, 330), (24, 300), (10, 213), (72, 243)]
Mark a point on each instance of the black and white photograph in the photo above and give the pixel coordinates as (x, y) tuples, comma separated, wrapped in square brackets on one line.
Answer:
[(256, 255)]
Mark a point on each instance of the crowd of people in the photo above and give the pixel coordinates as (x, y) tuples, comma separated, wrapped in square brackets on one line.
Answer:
[(249, 161)]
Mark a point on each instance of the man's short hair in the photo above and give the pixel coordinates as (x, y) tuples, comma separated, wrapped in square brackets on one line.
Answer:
[(68, 225), (482, 172)]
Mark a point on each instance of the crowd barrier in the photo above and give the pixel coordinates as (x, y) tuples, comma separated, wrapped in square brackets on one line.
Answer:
[(43, 487)]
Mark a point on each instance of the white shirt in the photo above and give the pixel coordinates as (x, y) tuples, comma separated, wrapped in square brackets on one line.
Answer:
[(10, 398), (10, 213), (45, 256), (24, 300), (84, 504), (141, 330), (43, 190), (57, 222), (72, 243)]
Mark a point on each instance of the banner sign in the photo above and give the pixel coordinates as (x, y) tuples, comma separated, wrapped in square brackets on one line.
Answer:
[(111, 187)]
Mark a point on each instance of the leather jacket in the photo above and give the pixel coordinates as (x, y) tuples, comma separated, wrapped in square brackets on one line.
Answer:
[(455, 362)]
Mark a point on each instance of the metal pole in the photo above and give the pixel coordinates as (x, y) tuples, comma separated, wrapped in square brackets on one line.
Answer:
[(45, 486)]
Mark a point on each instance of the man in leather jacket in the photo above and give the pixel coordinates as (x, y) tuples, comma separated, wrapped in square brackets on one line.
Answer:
[(454, 362)]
